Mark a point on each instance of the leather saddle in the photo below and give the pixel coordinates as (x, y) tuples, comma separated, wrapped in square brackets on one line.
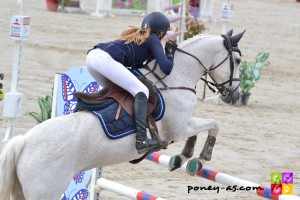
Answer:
[(124, 98), (126, 101)]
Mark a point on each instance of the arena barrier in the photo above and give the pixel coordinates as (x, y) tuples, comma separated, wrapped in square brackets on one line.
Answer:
[(225, 179), (175, 18), (71, 6), (172, 7), (206, 13), (103, 9), (125, 190)]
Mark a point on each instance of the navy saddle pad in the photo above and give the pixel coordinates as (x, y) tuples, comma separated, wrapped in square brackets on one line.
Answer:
[(124, 125)]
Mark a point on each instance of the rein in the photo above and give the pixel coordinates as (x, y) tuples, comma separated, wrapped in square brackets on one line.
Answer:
[(223, 90), (166, 87)]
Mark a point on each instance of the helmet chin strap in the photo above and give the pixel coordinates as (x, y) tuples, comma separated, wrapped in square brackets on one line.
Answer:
[(163, 34), (160, 34)]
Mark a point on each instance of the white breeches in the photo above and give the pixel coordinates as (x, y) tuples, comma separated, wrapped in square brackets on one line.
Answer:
[(104, 69)]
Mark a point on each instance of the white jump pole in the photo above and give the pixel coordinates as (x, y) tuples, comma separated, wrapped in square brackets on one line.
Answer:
[(206, 12), (182, 22), (103, 9), (125, 190), (10, 131), (19, 31), (160, 4), (170, 9), (173, 19), (98, 5), (224, 179), (96, 174)]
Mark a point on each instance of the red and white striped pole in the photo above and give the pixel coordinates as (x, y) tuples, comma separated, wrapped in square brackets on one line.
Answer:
[(225, 179)]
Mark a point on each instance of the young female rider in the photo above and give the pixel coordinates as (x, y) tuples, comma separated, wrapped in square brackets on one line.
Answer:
[(108, 61)]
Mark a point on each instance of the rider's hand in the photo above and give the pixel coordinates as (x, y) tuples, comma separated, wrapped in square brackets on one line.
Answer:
[(170, 48)]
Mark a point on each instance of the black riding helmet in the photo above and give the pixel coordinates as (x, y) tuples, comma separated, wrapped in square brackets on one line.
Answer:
[(157, 22)]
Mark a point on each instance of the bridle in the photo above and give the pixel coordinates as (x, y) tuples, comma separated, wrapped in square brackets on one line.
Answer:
[(224, 91)]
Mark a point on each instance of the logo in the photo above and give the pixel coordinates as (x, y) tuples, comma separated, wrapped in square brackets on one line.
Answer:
[(17, 23), (282, 183)]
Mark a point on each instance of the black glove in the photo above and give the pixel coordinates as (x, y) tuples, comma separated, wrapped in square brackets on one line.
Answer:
[(170, 48)]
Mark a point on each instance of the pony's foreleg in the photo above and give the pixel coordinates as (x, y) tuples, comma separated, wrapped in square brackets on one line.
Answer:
[(195, 165), (187, 152), (195, 126)]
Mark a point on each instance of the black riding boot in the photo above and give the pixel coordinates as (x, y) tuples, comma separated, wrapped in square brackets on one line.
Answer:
[(143, 144)]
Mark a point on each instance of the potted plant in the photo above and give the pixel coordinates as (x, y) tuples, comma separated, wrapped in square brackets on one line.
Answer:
[(52, 5), (193, 27), (250, 73), (45, 104)]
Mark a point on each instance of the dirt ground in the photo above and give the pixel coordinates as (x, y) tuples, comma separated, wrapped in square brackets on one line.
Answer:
[(253, 141)]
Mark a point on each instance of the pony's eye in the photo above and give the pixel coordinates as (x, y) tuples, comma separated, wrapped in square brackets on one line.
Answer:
[(238, 61)]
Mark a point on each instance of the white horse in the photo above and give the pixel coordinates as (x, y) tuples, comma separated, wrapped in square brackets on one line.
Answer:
[(40, 164)]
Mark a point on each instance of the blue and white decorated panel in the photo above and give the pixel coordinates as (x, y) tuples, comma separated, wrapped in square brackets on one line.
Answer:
[(77, 79), (77, 189)]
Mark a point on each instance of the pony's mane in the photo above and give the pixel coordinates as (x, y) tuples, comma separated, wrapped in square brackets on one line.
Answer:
[(193, 39)]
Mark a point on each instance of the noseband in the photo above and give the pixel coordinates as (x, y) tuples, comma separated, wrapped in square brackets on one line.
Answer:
[(221, 88)]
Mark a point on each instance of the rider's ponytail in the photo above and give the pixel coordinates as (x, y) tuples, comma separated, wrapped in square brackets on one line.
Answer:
[(135, 34)]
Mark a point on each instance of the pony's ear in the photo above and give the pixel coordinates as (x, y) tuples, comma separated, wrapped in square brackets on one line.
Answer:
[(235, 39), (229, 33)]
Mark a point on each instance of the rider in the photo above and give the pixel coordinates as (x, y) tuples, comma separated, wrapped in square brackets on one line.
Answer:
[(107, 62)]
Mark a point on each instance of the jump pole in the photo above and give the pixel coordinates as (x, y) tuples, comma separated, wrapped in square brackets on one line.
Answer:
[(173, 18), (206, 11), (103, 9), (224, 179), (125, 190)]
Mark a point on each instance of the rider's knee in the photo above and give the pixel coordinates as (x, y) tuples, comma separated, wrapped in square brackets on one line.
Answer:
[(143, 89)]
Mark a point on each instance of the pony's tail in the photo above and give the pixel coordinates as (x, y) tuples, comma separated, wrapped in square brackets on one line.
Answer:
[(8, 161)]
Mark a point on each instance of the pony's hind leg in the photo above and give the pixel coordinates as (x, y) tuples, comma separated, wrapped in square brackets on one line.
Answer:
[(187, 152)]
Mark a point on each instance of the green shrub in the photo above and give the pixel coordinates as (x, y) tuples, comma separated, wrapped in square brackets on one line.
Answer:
[(45, 104), (250, 72)]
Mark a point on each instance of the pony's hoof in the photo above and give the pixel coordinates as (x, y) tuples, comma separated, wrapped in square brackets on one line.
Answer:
[(175, 163), (193, 166)]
